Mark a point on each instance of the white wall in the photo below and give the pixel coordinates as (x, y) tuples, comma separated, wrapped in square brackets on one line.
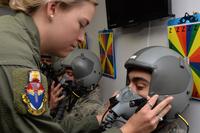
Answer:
[(129, 40)]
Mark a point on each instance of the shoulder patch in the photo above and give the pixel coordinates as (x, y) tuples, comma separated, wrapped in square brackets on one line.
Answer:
[(35, 96), (30, 91)]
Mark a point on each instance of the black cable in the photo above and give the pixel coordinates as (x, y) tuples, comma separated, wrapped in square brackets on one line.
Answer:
[(69, 103), (61, 108), (104, 115), (112, 102)]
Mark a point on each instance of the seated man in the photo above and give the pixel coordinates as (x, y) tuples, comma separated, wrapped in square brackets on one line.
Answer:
[(83, 68), (154, 70)]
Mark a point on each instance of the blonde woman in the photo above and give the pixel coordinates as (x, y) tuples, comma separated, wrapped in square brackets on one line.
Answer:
[(53, 27), (38, 26)]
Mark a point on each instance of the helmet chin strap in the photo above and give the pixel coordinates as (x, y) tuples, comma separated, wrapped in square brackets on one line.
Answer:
[(184, 121)]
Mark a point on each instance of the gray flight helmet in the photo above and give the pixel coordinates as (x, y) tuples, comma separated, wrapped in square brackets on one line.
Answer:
[(171, 75), (85, 65)]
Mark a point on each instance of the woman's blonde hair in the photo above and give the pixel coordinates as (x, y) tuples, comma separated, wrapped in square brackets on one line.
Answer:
[(28, 6)]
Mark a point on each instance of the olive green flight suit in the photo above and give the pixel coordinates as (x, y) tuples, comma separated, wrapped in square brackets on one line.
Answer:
[(19, 53)]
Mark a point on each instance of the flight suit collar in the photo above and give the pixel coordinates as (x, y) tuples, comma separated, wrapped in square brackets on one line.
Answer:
[(28, 24)]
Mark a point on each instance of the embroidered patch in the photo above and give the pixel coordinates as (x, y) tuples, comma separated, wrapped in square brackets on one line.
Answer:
[(35, 96)]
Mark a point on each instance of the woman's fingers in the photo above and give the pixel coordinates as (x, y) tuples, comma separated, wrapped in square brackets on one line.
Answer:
[(151, 102), (157, 113), (149, 116), (163, 112), (162, 105)]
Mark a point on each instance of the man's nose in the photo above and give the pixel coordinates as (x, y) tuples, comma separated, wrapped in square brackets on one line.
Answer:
[(132, 87)]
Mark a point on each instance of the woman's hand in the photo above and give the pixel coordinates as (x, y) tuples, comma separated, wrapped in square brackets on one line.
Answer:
[(55, 95), (147, 119)]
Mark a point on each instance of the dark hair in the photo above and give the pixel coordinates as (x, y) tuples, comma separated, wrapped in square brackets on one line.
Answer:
[(130, 69)]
